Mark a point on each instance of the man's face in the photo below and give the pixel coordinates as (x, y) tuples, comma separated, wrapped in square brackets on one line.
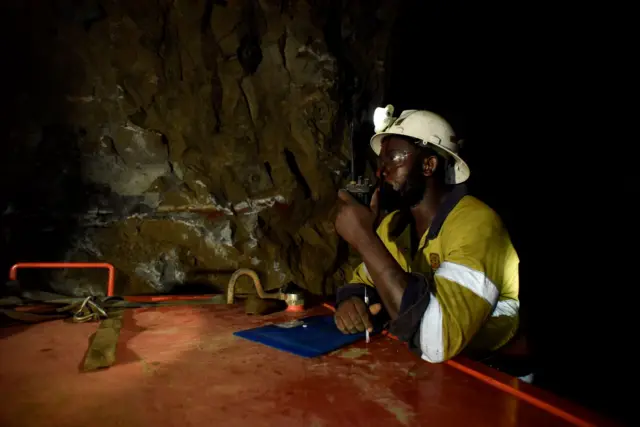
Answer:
[(402, 170), (397, 157)]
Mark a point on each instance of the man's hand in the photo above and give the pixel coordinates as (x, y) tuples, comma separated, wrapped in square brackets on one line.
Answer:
[(352, 316), (355, 222)]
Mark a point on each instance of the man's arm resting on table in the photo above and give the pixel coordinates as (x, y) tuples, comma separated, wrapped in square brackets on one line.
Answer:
[(404, 295), (387, 275)]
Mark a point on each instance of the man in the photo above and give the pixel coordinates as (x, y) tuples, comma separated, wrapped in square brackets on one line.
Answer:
[(441, 269)]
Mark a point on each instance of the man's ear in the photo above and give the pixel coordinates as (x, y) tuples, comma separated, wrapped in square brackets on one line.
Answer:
[(429, 165)]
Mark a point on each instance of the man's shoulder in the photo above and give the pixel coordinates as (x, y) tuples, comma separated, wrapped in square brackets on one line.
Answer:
[(473, 212)]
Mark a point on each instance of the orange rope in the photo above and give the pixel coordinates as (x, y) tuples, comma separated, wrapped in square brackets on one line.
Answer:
[(520, 395), (168, 298)]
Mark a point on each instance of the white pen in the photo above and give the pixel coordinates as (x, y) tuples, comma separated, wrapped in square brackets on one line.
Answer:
[(366, 302)]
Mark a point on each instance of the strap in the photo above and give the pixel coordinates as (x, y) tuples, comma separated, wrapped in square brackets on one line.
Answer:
[(39, 306), (82, 309), (102, 346), (27, 317), (414, 239)]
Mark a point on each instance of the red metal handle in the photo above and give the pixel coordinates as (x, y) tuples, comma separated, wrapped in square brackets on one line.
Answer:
[(13, 273)]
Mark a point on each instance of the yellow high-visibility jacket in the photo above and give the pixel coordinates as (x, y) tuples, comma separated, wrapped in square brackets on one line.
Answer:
[(467, 255)]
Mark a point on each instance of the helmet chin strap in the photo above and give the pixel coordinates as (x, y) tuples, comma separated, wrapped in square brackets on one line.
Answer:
[(450, 173)]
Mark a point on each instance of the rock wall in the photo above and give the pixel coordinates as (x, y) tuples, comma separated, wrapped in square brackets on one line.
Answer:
[(180, 140)]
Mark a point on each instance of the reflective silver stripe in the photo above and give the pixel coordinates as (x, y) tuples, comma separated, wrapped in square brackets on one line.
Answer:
[(431, 342), (507, 307), (364, 269), (471, 279)]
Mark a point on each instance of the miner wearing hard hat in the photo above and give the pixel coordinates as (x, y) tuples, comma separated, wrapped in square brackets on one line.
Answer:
[(440, 270)]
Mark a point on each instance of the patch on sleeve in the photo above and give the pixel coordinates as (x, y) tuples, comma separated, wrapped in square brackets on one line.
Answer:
[(434, 260)]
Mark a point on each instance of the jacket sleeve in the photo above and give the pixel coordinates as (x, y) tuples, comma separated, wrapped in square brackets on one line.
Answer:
[(356, 286), (415, 301), (361, 276), (464, 293), (415, 297)]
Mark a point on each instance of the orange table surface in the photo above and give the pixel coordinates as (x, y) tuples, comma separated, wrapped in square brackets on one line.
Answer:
[(182, 366)]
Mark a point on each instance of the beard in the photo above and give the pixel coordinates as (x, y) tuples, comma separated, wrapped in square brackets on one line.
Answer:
[(406, 197)]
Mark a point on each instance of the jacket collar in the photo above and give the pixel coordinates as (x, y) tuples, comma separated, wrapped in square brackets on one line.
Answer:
[(404, 218), (450, 202)]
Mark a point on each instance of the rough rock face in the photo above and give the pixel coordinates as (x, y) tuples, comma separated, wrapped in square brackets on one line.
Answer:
[(181, 140)]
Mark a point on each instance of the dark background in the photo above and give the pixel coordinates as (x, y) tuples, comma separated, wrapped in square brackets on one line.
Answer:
[(507, 79)]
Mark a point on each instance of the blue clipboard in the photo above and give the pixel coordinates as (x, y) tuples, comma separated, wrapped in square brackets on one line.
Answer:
[(308, 337)]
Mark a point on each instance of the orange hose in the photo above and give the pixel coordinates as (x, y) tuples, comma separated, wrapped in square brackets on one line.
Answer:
[(163, 298), (520, 395), (554, 410), (13, 273)]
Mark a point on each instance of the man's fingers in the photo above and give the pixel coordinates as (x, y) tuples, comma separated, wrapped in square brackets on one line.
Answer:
[(352, 316), (375, 308), (356, 321), (345, 196), (362, 312), (340, 324), (347, 320), (375, 201), (345, 325)]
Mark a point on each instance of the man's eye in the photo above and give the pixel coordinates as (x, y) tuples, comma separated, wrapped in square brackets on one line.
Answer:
[(398, 157)]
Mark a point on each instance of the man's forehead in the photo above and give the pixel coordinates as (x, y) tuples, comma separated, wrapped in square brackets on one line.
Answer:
[(396, 143)]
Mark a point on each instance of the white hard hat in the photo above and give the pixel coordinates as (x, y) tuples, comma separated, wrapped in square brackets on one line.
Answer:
[(430, 129)]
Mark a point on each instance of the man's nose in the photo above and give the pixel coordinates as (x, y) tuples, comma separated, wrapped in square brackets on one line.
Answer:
[(386, 169)]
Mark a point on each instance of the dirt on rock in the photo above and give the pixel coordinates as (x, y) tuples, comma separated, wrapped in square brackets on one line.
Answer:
[(182, 140)]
